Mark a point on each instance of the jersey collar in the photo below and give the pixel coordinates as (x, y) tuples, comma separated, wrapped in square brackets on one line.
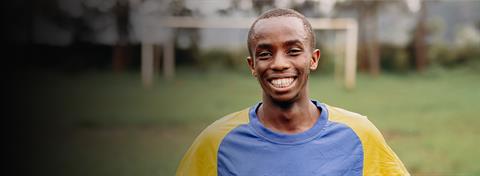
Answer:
[(292, 139)]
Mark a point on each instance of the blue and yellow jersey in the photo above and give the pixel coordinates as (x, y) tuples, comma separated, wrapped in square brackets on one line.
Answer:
[(340, 143)]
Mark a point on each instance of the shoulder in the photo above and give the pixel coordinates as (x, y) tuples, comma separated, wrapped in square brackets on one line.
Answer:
[(213, 134), (226, 123), (201, 157), (365, 130), (379, 158), (359, 123)]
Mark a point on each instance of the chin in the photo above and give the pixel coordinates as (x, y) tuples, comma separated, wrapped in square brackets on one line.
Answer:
[(284, 99)]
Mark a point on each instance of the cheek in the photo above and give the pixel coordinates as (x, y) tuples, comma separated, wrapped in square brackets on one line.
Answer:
[(305, 65), (260, 67)]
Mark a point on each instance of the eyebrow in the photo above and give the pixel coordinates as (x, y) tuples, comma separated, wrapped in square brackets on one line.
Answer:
[(263, 46), (287, 43), (293, 42)]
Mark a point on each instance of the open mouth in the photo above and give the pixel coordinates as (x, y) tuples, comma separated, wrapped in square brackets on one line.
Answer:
[(282, 82)]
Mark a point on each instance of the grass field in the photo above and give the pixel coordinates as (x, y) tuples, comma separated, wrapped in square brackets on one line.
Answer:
[(97, 123)]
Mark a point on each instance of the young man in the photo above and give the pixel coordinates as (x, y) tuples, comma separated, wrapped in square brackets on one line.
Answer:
[(287, 133)]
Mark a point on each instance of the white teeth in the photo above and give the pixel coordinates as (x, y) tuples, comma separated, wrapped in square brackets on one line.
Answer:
[(282, 82)]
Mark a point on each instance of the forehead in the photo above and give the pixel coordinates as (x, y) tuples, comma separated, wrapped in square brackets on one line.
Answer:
[(278, 29)]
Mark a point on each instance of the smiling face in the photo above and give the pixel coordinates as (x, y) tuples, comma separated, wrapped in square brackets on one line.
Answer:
[(282, 58)]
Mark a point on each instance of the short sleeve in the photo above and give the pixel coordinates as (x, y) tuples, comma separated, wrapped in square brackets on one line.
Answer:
[(379, 158), (201, 158)]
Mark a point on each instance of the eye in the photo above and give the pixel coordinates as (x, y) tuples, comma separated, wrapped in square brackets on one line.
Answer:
[(294, 51), (264, 54)]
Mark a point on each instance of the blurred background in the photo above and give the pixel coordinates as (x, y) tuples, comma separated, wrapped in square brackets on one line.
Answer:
[(119, 87)]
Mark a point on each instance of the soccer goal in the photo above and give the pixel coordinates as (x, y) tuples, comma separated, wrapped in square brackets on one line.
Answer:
[(350, 26)]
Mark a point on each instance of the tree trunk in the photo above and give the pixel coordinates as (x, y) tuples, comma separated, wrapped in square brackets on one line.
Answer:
[(373, 46), (121, 50), (419, 40), (362, 42), (120, 57), (369, 53)]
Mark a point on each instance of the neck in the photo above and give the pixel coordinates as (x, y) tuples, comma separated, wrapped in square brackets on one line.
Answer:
[(288, 117)]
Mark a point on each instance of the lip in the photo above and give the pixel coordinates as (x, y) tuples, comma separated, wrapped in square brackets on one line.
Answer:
[(281, 89), (275, 76)]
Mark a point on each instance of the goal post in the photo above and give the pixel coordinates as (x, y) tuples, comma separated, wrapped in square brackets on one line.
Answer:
[(348, 24)]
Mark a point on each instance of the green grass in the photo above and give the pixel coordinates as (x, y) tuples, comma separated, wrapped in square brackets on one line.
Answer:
[(100, 123)]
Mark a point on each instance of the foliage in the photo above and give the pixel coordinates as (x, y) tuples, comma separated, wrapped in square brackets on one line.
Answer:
[(218, 58), (400, 60), (395, 59), (450, 56), (326, 64)]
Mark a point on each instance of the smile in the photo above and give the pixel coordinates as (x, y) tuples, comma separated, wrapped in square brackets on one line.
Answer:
[(282, 82)]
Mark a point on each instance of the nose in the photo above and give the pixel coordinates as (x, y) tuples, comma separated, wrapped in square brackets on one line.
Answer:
[(280, 63)]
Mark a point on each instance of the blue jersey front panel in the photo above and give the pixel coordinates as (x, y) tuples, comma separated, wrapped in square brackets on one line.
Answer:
[(328, 148)]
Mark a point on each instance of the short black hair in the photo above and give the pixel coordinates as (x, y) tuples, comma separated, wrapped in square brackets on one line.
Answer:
[(281, 13)]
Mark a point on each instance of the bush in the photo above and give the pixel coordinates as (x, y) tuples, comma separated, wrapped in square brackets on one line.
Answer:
[(219, 58), (394, 58), (450, 57)]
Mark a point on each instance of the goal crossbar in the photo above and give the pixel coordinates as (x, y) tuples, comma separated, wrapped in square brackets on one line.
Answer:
[(348, 24)]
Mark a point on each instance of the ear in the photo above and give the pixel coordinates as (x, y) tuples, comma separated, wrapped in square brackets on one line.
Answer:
[(314, 59), (251, 65)]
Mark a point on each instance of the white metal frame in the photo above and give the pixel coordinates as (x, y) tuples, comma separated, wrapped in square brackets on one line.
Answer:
[(347, 24)]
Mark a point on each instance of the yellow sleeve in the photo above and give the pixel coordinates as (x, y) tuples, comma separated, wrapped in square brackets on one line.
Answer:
[(379, 158), (201, 158)]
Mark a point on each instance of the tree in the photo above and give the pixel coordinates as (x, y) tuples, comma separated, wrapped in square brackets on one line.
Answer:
[(368, 50), (419, 44), (368, 35), (121, 49)]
